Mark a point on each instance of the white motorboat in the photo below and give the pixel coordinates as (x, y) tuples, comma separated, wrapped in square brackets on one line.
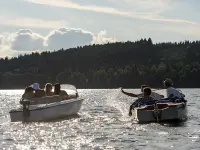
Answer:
[(43, 112), (46, 108), (161, 111)]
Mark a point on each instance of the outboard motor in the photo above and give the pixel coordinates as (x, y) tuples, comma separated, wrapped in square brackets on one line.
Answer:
[(26, 111)]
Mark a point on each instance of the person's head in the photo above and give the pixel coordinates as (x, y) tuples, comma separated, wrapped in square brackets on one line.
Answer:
[(147, 91), (168, 83), (36, 86), (48, 87), (143, 86), (29, 89), (57, 88)]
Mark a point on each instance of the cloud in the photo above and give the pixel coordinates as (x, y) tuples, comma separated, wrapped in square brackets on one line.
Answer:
[(4, 47), (66, 38), (144, 6), (26, 22), (1, 39), (101, 37), (147, 5), (26, 41)]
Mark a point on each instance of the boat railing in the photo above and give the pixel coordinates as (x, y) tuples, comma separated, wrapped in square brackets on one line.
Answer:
[(166, 100)]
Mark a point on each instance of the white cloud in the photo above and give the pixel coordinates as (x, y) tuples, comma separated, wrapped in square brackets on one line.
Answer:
[(1, 39), (31, 22), (5, 51), (101, 37), (26, 41), (147, 9), (66, 38)]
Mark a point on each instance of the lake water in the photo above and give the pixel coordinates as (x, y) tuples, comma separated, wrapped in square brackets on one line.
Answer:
[(103, 124)]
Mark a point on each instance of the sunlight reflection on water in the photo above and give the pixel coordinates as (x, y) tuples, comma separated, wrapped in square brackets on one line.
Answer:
[(103, 124)]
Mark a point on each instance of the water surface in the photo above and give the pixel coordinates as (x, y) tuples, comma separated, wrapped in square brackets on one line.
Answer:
[(102, 123)]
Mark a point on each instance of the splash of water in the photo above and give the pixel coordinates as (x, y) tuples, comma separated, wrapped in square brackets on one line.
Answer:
[(114, 100)]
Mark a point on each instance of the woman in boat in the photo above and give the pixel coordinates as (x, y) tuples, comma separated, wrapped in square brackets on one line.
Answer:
[(171, 91), (38, 92), (153, 94), (146, 97), (48, 89), (28, 93)]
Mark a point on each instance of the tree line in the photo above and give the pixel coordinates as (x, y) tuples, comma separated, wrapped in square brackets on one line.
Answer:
[(128, 64)]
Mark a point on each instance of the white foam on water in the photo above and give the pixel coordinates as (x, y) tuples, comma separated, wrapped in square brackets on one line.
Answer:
[(113, 99)]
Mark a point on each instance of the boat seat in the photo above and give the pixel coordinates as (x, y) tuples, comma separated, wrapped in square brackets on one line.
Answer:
[(149, 107), (161, 106)]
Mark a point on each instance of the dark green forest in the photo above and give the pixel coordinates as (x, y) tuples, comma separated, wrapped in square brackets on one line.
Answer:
[(127, 64)]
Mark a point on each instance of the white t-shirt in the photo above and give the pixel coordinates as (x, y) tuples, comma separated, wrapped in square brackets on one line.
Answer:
[(172, 92)]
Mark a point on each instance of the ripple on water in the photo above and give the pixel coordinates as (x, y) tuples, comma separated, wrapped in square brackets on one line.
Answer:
[(102, 124)]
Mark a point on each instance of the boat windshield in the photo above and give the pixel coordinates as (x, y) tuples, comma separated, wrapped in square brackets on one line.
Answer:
[(70, 89)]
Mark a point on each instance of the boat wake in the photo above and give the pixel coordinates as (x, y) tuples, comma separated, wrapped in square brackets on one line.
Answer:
[(115, 100)]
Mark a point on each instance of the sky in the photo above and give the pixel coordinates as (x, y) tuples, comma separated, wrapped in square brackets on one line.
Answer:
[(40, 25)]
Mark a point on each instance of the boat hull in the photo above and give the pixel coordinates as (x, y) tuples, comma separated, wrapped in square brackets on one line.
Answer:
[(47, 111), (170, 112)]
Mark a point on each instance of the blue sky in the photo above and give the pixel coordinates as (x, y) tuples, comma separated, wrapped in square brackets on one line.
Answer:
[(37, 22)]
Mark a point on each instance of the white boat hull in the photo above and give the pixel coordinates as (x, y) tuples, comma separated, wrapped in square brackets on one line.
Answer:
[(171, 112), (47, 111)]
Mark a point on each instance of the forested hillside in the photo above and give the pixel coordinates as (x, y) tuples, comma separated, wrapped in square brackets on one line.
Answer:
[(127, 64)]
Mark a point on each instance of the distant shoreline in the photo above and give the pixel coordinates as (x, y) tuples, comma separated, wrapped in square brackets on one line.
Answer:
[(108, 66)]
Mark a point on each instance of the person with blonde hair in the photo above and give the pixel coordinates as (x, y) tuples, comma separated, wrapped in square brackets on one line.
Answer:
[(48, 89)]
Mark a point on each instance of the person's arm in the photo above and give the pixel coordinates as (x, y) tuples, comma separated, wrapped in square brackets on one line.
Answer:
[(129, 94), (132, 107), (130, 110)]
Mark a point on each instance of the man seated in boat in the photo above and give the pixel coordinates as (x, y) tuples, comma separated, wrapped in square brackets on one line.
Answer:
[(28, 93), (38, 92), (146, 97), (153, 94), (61, 93), (171, 91)]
